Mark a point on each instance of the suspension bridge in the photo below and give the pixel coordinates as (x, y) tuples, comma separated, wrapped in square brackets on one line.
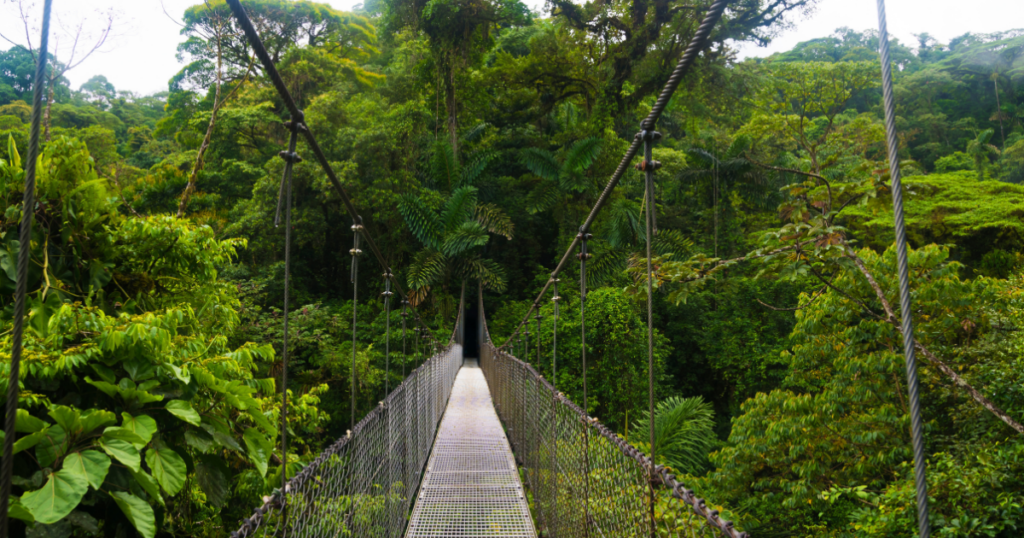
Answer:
[(474, 442)]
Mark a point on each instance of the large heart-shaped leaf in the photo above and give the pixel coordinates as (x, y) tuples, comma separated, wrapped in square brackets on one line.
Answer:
[(124, 434), (17, 511), (52, 445), (149, 484), (122, 451), (138, 511), (28, 441), (97, 418), (143, 425), (184, 411), (91, 464), (57, 498), (69, 418), (199, 440), (27, 423), (214, 478), (168, 468), (259, 449)]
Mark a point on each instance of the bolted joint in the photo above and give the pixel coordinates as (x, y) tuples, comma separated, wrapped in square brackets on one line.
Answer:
[(585, 236), (648, 166), (648, 135), (581, 256), (357, 227), (556, 299), (297, 123), (387, 294), (355, 252), (290, 157)]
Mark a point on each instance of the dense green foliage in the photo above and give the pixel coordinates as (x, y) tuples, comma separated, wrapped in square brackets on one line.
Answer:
[(475, 136)]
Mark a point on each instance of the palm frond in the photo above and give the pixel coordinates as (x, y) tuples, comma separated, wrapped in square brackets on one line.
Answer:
[(468, 235), (476, 132), (427, 268), (540, 162), (625, 226), (476, 167), (458, 209), (671, 242), (422, 221), (487, 272), (543, 197), (739, 146), (494, 220), (444, 168), (683, 433), (605, 266), (582, 155)]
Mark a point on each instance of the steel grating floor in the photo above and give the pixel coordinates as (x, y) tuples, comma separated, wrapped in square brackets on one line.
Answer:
[(471, 486)]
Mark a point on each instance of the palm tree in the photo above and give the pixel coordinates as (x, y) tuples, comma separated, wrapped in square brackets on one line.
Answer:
[(980, 150), (559, 177), (684, 433)]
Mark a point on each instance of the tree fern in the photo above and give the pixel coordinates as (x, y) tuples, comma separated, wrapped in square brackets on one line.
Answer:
[(683, 433), (422, 221)]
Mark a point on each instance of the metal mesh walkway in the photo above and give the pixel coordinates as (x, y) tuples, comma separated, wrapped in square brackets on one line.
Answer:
[(471, 487)]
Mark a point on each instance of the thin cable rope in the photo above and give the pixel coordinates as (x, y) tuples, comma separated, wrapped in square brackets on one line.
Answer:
[(907, 322), (697, 44), (583, 255), (21, 286), (387, 331), (648, 168), (290, 158), (405, 355), (356, 253), (554, 335)]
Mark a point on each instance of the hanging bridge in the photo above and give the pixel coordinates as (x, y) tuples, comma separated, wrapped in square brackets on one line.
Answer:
[(475, 446)]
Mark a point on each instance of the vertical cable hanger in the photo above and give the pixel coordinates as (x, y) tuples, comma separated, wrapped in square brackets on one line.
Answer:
[(387, 331), (405, 357), (21, 286), (538, 317), (290, 158), (917, 429), (555, 299), (357, 230), (583, 256), (648, 166)]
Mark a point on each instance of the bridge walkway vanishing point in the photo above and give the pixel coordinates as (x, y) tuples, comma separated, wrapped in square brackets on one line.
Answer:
[(471, 485)]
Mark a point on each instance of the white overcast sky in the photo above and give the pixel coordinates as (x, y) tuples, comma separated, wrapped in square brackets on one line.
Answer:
[(140, 57)]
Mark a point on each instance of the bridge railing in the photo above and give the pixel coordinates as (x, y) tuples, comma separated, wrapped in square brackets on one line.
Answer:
[(586, 481), (363, 485)]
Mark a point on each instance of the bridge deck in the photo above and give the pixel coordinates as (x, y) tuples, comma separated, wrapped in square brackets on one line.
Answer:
[(471, 487)]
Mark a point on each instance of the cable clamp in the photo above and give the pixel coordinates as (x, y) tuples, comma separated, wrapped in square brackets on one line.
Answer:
[(289, 157), (357, 227), (355, 252), (648, 135), (645, 166), (387, 294)]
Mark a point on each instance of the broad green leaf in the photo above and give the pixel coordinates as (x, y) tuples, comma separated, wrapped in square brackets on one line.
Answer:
[(124, 434), (12, 152), (214, 478), (259, 449), (57, 498), (139, 369), (178, 373), (84, 521), (257, 415), (108, 388), (17, 511), (68, 418), (28, 441), (149, 484), (199, 440), (138, 511), (143, 425), (52, 445), (227, 441), (90, 464), (184, 411), (122, 451), (97, 418), (29, 424), (168, 468)]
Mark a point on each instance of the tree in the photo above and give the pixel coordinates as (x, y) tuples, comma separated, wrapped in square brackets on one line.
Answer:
[(683, 433), (981, 151)]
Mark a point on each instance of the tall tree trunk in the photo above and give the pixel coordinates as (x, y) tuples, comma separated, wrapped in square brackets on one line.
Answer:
[(198, 165), (450, 103), (999, 109)]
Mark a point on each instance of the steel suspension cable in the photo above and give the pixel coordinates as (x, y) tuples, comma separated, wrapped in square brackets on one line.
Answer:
[(21, 286), (906, 318), (583, 256), (405, 355), (387, 331), (689, 57), (555, 299)]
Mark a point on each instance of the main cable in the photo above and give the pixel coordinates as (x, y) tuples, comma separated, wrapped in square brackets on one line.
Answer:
[(28, 205)]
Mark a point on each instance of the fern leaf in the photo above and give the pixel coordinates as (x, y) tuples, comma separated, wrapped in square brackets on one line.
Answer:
[(543, 197), (422, 221), (475, 132), (476, 167), (624, 225), (487, 272), (492, 218), (428, 267), (444, 168), (582, 155), (671, 242), (540, 162)]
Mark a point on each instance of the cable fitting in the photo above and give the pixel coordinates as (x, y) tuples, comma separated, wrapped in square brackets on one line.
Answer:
[(648, 135), (648, 166), (355, 252), (556, 299), (290, 157), (387, 294), (357, 227), (585, 236), (584, 256)]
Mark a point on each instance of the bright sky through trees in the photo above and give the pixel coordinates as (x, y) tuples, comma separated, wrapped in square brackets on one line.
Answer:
[(138, 57)]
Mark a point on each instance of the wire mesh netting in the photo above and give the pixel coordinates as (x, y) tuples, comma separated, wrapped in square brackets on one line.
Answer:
[(585, 480), (364, 483)]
